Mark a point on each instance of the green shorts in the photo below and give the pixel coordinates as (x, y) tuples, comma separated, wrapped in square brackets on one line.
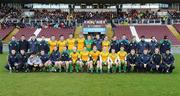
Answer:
[(84, 62), (104, 63), (122, 62)]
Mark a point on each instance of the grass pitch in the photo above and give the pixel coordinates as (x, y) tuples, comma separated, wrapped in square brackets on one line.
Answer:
[(85, 84)]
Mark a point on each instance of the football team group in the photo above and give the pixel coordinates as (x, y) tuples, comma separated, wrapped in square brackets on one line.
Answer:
[(91, 54)]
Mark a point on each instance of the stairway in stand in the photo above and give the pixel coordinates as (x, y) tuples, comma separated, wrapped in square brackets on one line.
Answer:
[(109, 31), (12, 33), (174, 31), (78, 31)]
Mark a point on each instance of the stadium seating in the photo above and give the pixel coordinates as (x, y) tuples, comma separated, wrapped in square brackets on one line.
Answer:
[(47, 32), (177, 26), (25, 31), (122, 29), (156, 30), (5, 32)]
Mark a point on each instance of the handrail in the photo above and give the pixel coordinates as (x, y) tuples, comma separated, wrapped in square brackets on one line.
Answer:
[(115, 21)]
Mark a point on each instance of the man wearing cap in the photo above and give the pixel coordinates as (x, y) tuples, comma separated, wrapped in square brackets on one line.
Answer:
[(165, 44)]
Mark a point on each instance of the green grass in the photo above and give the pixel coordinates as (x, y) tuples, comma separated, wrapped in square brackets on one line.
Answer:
[(84, 84)]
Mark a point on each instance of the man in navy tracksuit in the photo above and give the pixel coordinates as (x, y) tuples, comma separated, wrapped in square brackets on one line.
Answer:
[(114, 44), (12, 61), (98, 42), (43, 45), (156, 62), (13, 45), (124, 42), (45, 58), (165, 44), (133, 44), (55, 58), (33, 45), (168, 61), (142, 45), (153, 44), (65, 59), (132, 61), (144, 61), (23, 44), (22, 60)]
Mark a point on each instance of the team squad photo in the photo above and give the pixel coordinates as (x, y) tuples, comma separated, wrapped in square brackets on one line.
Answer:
[(91, 55), (89, 47)]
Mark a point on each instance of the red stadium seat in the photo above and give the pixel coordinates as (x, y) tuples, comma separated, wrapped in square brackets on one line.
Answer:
[(156, 30), (25, 31), (48, 32), (122, 29)]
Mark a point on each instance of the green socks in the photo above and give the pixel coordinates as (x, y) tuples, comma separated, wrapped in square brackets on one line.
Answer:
[(124, 68), (77, 67), (119, 68), (70, 68), (114, 68)]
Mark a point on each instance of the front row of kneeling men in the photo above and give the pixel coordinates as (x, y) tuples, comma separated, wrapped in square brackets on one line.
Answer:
[(93, 61)]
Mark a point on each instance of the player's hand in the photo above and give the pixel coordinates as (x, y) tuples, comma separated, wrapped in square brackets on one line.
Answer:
[(157, 66), (16, 64), (35, 65), (168, 65), (145, 65)]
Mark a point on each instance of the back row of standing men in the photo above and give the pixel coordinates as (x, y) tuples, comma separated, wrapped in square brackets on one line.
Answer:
[(35, 46)]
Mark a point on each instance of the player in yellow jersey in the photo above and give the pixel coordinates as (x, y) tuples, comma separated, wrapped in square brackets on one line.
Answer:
[(71, 42), (80, 42), (52, 43), (94, 55), (84, 58), (61, 43), (112, 61), (122, 59), (105, 42), (103, 59), (75, 60)]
